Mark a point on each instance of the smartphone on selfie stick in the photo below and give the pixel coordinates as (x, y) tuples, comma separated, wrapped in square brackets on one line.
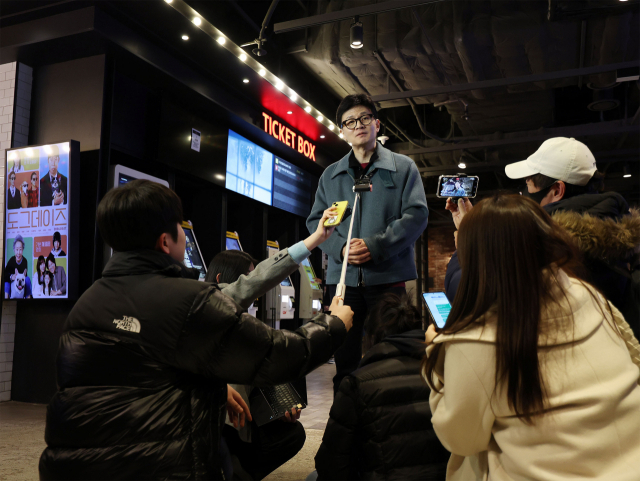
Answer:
[(361, 185)]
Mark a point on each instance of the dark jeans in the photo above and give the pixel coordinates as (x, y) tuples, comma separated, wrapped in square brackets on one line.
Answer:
[(272, 445), (361, 300)]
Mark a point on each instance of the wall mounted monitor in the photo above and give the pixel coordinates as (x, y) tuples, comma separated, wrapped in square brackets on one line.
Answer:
[(233, 242), (192, 254), (306, 265), (121, 175), (249, 169), (291, 188), (257, 173), (40, 247)]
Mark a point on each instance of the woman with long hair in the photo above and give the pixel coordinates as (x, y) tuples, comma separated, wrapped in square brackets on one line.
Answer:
[(41, 273), (531, 378)]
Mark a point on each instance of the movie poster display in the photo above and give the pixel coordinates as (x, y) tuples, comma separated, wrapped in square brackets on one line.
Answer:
[(37, 238)]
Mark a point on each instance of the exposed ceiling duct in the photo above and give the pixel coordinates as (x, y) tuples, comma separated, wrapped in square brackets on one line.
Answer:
[(462, 42)]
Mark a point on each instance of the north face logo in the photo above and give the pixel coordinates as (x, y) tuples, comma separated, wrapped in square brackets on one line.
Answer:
[(130, 324)]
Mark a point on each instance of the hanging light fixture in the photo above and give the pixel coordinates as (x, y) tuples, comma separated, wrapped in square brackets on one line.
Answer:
[(626, 171), (356, 35)]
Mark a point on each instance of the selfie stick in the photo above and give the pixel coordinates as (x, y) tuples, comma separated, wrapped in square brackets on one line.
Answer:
[(341, 288)]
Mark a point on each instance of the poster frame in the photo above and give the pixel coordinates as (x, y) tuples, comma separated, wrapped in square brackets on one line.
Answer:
[(73, 198)]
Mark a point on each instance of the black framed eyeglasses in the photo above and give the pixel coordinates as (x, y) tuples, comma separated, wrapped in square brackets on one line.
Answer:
[(364, 121)]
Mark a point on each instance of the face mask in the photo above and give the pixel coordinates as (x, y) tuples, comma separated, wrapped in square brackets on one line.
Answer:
[(536, 196)]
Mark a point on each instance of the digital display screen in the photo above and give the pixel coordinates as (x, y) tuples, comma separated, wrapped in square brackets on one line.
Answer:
[(310, 274), (291, 188), (249, 169), (256, 173), (36, 242), (192, 257), (438, 306), (452, 186), (233, 244), (124, 179)]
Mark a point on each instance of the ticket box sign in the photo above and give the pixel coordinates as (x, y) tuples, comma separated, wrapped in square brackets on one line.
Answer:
[(40, 248), (287, 136)]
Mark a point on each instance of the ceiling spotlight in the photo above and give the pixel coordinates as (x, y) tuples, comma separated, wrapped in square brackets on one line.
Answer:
[(168, 1), (331, 127), (356, 35), (279, 85), (219, 176), (322, 136), (246, 80), (462, 165), (307, 109), (243, 56), (320, 118), (197, 21), (262, 72), (341, 136), (293, 96), (626, 171), (185, 37), (221, 40), (289, 112)]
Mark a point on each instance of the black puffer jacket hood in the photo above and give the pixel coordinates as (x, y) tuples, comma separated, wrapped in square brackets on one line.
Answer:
[(607, 205), (410, 343), (142, 370), (380, 421)]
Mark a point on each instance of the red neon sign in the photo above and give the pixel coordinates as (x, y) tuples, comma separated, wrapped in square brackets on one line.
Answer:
[(285, 135)]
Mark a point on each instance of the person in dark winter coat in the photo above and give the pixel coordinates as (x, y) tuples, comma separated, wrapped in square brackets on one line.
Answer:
[(561, 176), (147, 352), (380, 421)]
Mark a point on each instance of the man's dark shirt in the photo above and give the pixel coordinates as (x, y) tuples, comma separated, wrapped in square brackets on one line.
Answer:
[(357, 166)]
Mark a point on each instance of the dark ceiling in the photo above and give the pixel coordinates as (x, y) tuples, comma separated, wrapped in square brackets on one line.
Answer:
[(450, 44)]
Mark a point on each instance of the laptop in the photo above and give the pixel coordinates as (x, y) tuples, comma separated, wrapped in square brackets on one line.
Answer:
[(271, 403)]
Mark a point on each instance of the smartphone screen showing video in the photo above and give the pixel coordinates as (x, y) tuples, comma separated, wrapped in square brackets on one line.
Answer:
[(438, 306), (454, 186)]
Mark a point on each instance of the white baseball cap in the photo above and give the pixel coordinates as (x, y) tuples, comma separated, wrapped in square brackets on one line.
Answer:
[(560, 158)]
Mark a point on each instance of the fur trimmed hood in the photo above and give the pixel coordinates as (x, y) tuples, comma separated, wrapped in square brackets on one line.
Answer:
[(602, 238)]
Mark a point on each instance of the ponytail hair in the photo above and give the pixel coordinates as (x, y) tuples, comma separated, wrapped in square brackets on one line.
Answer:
[(393, 314)]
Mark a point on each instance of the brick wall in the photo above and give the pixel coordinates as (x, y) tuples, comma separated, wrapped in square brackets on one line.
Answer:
[(15, 106), (441, 247)]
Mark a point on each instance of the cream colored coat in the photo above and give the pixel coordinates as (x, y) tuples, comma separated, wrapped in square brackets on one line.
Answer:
[(592, 427)]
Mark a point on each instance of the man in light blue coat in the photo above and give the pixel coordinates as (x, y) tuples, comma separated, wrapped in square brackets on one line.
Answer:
[(387, 222)]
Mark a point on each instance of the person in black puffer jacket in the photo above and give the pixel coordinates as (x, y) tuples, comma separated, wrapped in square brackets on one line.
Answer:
[(561, 176), (147, 352), (380, 422)]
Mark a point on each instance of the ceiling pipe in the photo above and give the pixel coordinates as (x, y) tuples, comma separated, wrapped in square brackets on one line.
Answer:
[(444, 71), (259, 51), (412, 104)]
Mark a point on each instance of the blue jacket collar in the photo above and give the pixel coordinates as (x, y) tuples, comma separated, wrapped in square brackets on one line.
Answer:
[(385, 161)]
